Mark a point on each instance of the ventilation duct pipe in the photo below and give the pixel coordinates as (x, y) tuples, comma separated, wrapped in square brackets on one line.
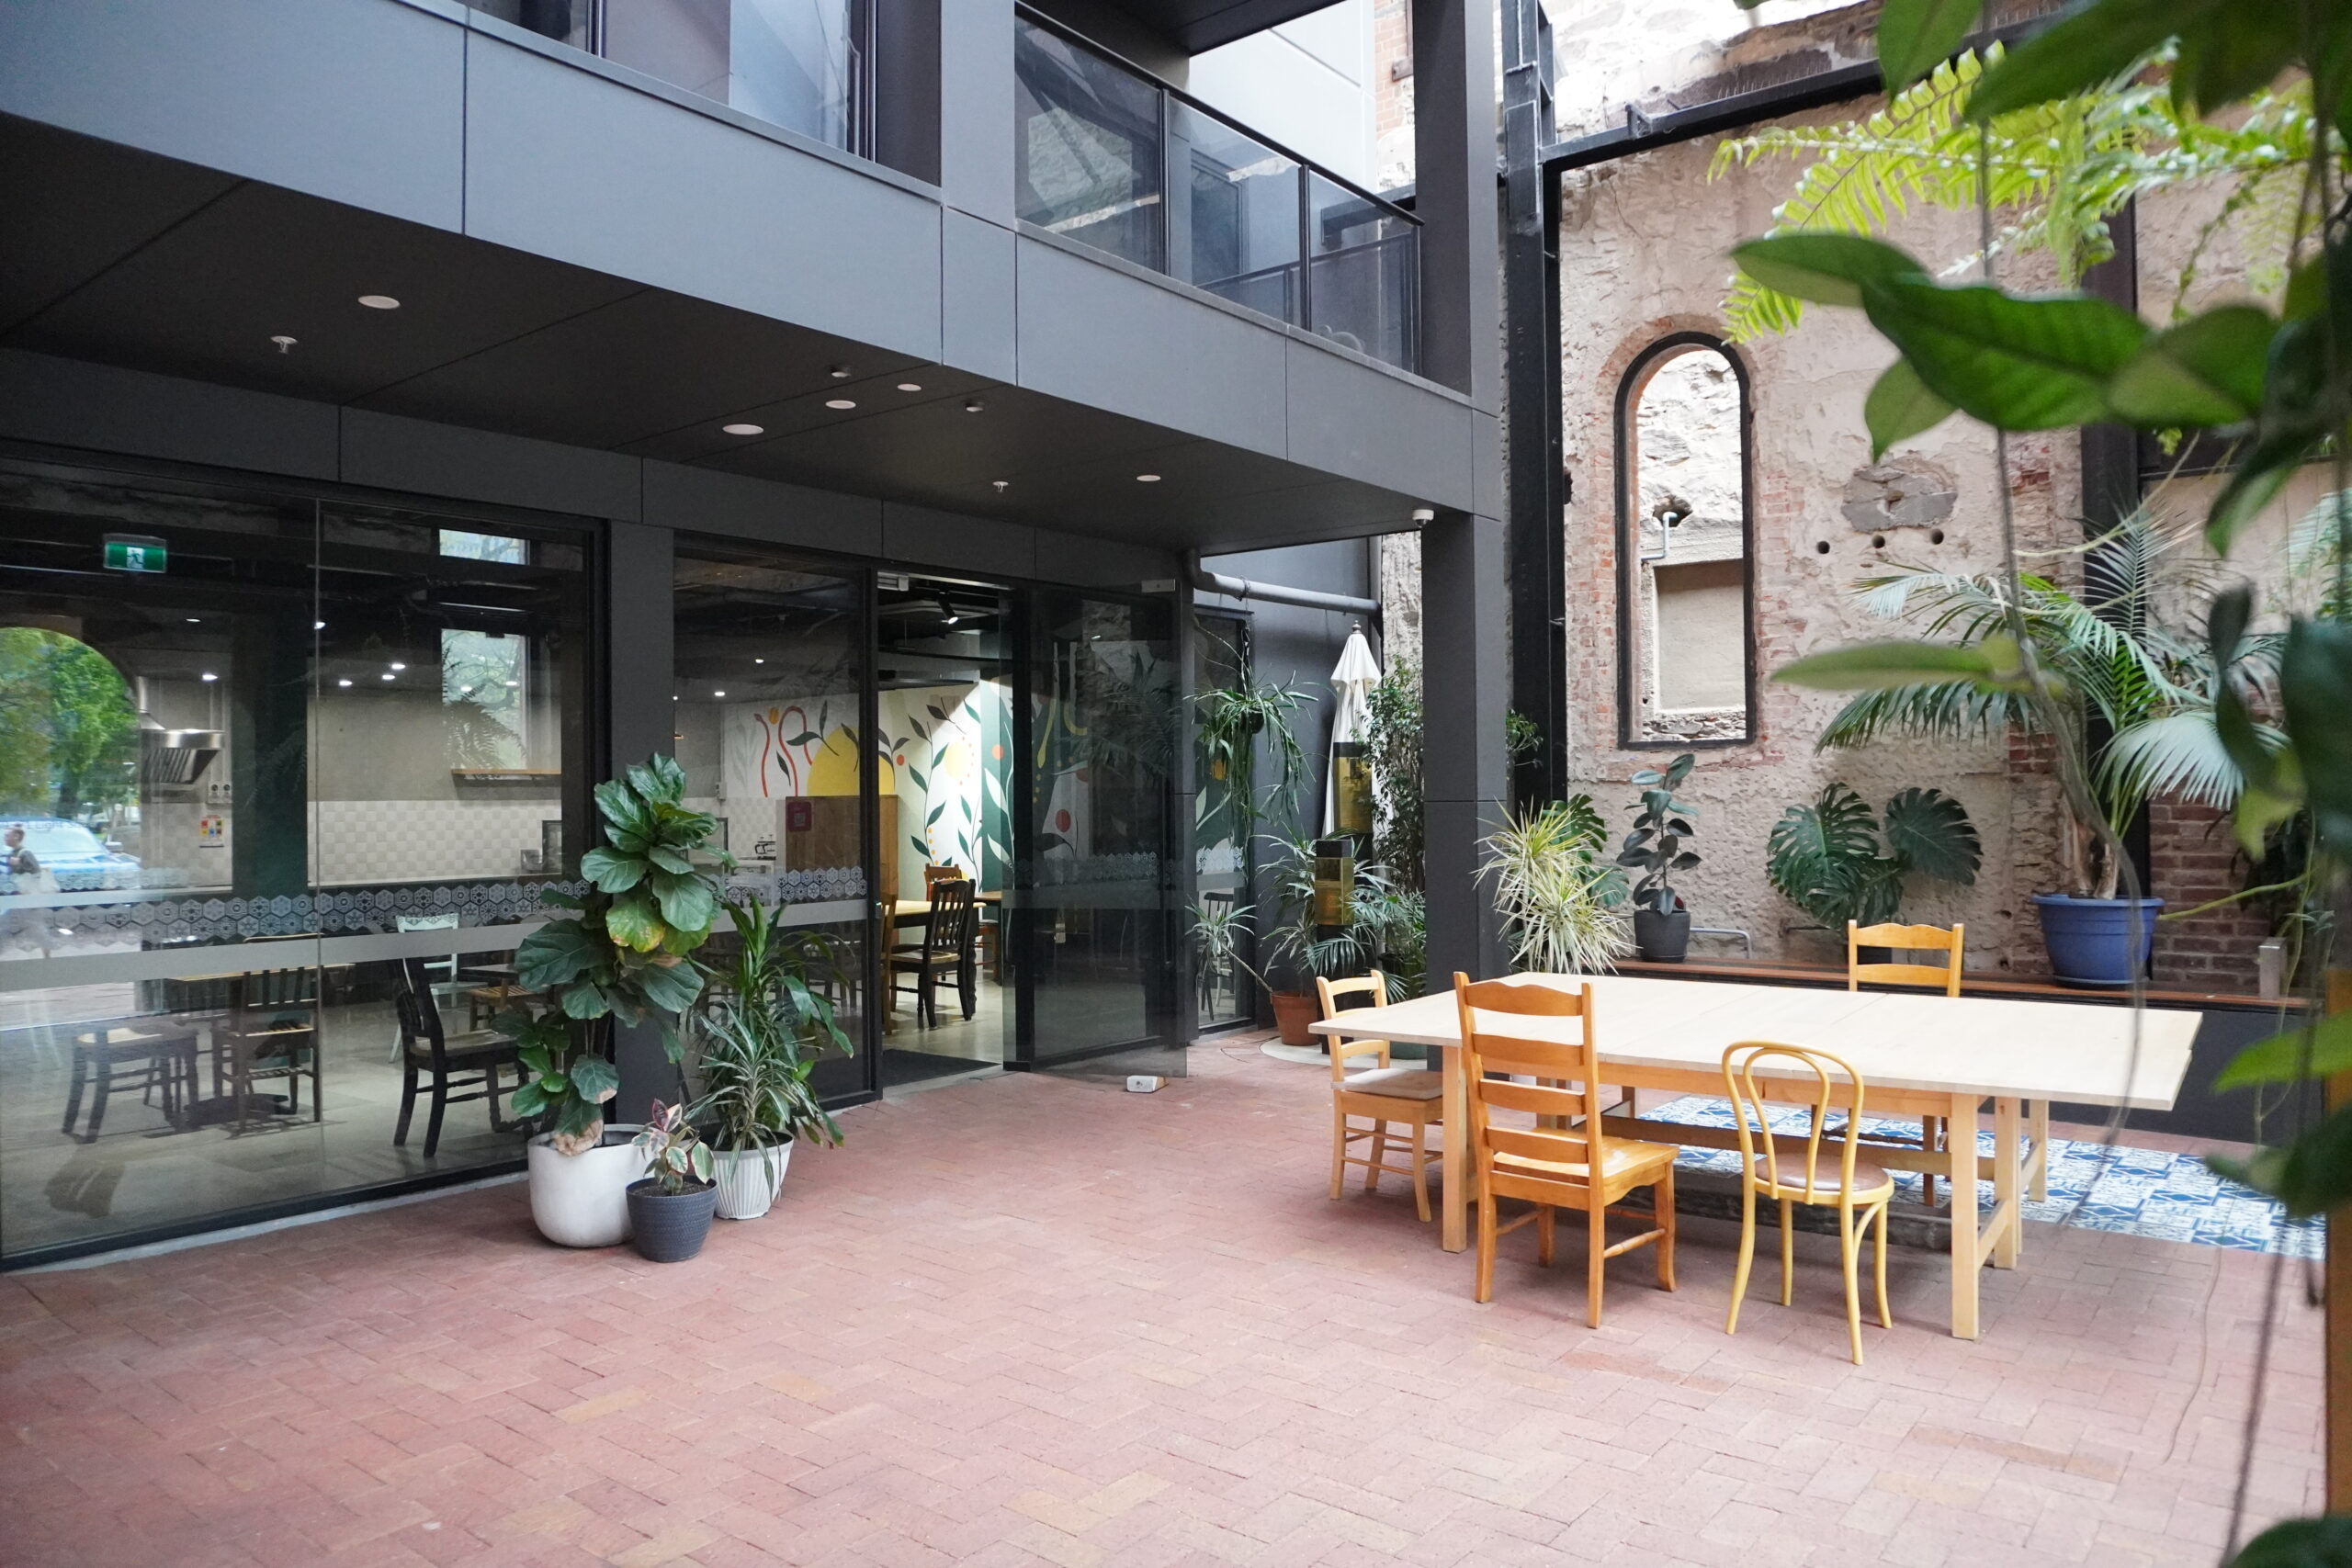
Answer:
[(1207, 582)]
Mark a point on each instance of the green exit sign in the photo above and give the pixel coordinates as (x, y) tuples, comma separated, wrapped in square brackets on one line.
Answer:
[(135, 552)]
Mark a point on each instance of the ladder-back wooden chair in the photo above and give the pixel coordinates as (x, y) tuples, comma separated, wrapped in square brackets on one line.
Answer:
[(946, 950), (461, 1067), (1566, 1160), (1789, 1171), (1943, 977), (1383, 1093)]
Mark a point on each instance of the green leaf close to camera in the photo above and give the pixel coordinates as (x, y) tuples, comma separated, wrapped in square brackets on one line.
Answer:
[(2087, 48), (2207, 371), (2232, 51), (1900, 407), (2015, 362), (1869, 666), (2315, 698), (585, 1000), (2324, 1542), (674, 987), (632, 922), (528, 1100), (2308, 1176), (592, 1077), (1916, 36), (687, 902), (556, 955), (610, 870), (1824, 269), (2321, 1051), (2255, 483)]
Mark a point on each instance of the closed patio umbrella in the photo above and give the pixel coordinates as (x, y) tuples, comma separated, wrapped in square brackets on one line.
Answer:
[(1347, 788)]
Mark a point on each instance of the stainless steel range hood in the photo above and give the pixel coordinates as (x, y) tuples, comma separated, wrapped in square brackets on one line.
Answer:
[(176, 756)]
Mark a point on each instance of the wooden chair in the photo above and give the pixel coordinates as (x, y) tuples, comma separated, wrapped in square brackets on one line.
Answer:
[(271, 1031), (1381, 1094), (467, 1062), (945, 949), (1944, 976), (1566, 1160), (147, 1057), (1863, 1191)]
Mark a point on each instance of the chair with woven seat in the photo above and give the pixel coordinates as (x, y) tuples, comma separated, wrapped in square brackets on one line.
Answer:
[(1860, 1193), (1381, 1094), (1944, 976), (464, 1067), (1566, 1160)]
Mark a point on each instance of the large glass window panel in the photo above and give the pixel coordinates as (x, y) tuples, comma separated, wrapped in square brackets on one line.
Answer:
[(1221, 848), (1103, 728), (1365, 258), (1087, 162), (241, 846), (770, 672), (1233, 226)]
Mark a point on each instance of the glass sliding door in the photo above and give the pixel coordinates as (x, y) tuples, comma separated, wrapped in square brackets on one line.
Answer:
[(1096, 932), (770, 696), (944, 664)]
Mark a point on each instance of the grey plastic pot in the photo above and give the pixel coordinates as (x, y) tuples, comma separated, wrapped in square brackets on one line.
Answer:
[(670, 1228)]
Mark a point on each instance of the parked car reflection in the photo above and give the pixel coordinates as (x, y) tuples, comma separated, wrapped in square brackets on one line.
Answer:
[(73, 859)]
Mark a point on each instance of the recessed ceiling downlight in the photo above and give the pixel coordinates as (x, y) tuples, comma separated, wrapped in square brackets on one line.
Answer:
[(841, 402), (379, 302), (743, 429), (1147, 478)]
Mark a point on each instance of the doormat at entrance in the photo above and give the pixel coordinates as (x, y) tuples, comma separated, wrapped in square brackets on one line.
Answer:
[(2133, 1191)]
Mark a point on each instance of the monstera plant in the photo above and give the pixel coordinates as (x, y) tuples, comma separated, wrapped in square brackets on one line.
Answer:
[(625, 955), (1828, 857)]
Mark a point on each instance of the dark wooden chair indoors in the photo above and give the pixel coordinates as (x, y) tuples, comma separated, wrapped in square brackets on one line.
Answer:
[(463, 1067), (945, 951)]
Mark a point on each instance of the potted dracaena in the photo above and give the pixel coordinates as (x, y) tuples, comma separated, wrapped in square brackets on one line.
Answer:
[(757, 1038), (624, 957)]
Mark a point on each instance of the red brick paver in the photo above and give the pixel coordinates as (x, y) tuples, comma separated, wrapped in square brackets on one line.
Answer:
[(1032, 1320)]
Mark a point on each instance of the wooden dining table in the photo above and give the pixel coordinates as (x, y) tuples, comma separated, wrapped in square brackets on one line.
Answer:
[(1917, 1053)]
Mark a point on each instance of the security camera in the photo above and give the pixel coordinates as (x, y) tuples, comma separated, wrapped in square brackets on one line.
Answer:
[(1424, 514)]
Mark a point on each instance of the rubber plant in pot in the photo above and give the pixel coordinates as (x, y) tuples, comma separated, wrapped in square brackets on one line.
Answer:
[(763, 1025), (625, 956), (671, 1205), (1825, 856), (1654, 850)]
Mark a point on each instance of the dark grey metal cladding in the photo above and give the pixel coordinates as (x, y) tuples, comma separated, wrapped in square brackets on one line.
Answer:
[(976, 297), (564, 162), (703, 499), (64, 402), (1092, 333), (414, 455), (362, 103), (1378, 428)]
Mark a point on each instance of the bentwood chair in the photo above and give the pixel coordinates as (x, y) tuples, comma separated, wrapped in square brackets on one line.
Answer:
[(1943, 977), (1566, 1160), (1823, 1085), (1411, 1097)]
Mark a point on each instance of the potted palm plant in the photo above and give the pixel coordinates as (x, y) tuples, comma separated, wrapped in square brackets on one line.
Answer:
[(1825, 856), (757, 1039), (671, 1205), (2150, 688), (1563, 907), (625, 956), (1653, 847)]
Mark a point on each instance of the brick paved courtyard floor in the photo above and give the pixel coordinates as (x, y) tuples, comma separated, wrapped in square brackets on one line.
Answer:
[(1033, 1320)]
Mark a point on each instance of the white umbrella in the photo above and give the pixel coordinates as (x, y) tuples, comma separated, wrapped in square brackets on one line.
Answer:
[(1353, 680)]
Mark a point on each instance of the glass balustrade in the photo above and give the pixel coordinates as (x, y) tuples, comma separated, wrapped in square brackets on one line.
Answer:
[(1116, 159)]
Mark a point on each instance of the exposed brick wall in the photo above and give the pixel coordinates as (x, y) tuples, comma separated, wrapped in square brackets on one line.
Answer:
[(2192, 860)]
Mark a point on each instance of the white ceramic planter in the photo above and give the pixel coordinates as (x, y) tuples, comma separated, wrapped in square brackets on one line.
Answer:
[(582, 1200), (748, 1181)]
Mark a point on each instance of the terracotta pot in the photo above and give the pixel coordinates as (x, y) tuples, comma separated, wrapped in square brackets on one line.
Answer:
[(1294, 1010)]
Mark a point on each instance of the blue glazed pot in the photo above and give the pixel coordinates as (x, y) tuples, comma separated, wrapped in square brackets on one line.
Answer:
[(2091, 939)]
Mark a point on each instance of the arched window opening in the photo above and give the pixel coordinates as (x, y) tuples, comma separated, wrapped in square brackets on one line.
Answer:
[(1687, 669)]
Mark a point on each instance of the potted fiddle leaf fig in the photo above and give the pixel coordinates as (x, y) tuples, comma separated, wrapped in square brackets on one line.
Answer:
[(670, 1207), (625, 956), (1653, 851)]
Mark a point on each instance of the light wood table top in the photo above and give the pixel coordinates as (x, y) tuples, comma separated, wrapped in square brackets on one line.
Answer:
[(1989, 1046)]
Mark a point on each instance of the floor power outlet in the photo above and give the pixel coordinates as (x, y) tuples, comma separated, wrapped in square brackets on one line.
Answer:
[(1144, 1083)]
